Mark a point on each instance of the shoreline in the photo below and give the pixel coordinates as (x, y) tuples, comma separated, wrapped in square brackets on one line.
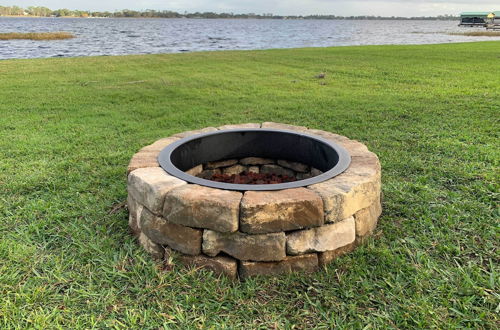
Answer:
[(249, 50)]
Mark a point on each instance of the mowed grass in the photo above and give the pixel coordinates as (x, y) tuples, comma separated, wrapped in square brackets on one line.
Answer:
[(36, 35), (68, 128)]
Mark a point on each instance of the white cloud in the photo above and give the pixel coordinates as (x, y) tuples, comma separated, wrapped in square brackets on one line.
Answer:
[(281, 7)]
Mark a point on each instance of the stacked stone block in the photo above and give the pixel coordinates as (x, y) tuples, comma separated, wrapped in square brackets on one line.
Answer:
[(254, 165), (243, 234)]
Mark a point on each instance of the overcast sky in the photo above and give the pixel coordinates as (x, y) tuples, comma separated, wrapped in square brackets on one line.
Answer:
[(278, 7)]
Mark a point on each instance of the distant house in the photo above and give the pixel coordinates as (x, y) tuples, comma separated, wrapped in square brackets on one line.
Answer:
[(493, 20), (473, 18)]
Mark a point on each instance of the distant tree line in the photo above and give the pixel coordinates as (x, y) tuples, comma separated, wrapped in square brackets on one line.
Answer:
[(149, 13)]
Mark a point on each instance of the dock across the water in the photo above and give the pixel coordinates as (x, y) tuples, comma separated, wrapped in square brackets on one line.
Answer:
[(489, 20)]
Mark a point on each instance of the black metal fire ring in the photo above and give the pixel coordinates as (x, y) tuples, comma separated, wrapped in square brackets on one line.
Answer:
[(309, 149)]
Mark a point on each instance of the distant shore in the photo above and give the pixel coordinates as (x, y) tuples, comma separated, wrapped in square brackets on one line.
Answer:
[(260, 18), (34, 11)]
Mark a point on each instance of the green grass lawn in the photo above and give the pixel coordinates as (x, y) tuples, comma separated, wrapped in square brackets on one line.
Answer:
[(68, 128)]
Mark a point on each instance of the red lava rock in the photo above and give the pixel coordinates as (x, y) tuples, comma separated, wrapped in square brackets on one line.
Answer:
[(252, 178)]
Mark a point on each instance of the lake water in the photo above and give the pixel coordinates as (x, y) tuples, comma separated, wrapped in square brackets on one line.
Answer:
[(122, 36)]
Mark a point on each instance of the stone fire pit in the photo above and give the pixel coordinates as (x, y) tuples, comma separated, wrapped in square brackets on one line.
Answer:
[(244, 230)]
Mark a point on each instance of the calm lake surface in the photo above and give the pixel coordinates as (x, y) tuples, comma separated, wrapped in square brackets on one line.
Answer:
[(149, 36)]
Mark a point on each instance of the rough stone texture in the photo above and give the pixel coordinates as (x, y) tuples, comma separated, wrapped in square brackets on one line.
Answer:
[(207, 174), (236, 126), (143, 159), (222, 163), (298, 167), (149, 186), (196, 132), (346, 194), (366, 165), (366, 219), (303, 176), (264, 247), (156, 250), (202, 207), (315, 172), (354, 147), (312, 173), (219, 265), (256, 161), (254, 169), (160, 144), (183, 239), (134, 213), (235, 169), (328, 135), (320, 239), (195, 170), (284, 126), (276, 169), (283, 210), (304, 263), (327, 257)]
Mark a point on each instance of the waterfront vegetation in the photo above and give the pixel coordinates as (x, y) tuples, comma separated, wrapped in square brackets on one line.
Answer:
[(36, 35), (70, 125), (478, 33), (39, 11)]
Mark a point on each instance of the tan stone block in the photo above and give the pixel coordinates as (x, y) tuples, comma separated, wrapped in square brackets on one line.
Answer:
[(264, 247), (254, 169), (327, 135), (320, 239), (143, 159), (295, 166), (256, 161), (148, 186), (202, 207), (235, 169), (303, 176), (183, 239), (366, 219), (276, 169), (219, 265), (195, 171), (160, 144), (304, 263), (366, 165), (273, 125), (134, 212), (195, 132), (207, 174), (346, 194), (155, 250), (283, 210), (221, 163), (238, 126), (327, 257), (354, 147), (315, 172)]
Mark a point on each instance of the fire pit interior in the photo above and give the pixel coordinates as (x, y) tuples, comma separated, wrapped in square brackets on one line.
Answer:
[(254, 199), (252, 159)]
